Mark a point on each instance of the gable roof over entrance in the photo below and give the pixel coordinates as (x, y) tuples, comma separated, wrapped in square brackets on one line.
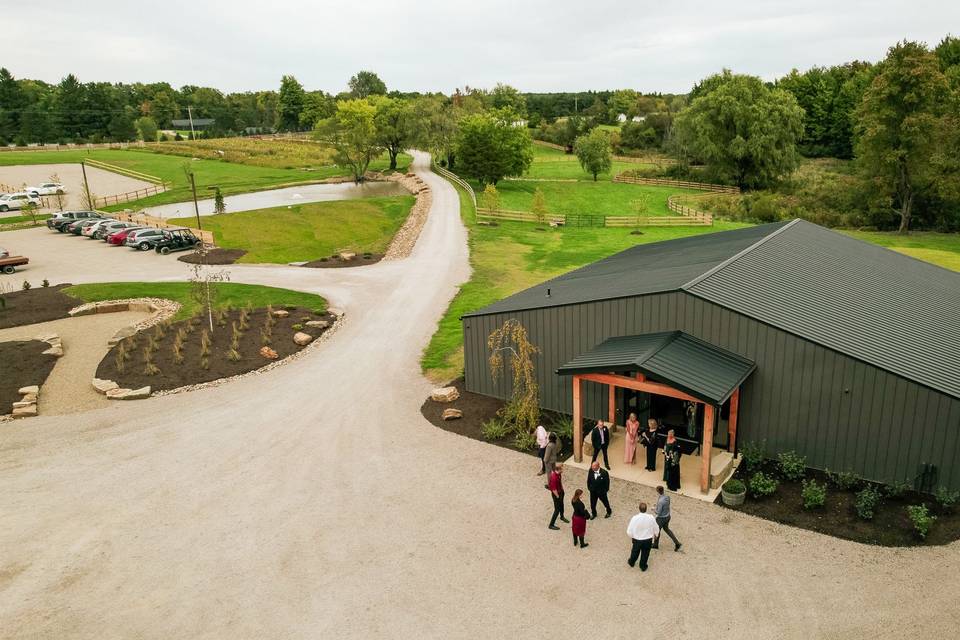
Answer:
[(699, 368)]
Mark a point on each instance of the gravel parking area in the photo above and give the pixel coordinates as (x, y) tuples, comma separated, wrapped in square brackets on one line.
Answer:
[(102, 183)]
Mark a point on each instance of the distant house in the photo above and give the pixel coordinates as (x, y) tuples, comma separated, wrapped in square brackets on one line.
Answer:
[(199, 124), (639, 118), (622, 117)]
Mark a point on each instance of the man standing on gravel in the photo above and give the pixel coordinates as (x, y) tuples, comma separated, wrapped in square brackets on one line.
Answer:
[(556, 492), (598, 484), (642, 530), (663, 519)]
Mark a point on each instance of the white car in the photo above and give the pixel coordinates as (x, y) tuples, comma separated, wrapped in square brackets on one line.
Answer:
[(12, 201), (46, 189)]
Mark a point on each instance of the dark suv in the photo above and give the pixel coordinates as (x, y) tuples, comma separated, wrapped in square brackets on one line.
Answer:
[(59, 220), (177, 240)]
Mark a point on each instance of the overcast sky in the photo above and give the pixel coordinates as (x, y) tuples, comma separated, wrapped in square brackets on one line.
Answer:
[(436, 45)]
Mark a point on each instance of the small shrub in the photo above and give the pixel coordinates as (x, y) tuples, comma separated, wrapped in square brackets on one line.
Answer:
[(233, 355), (754, 453), (525, 440), (844, 480), (25, 286), (563, 428), (494, 429), (946, 498), (159, 332), (45, 283), (792, 465), (868, 499), (920, 516), (204, 363), (734, 486), (896, 489), (296, 326), (305, 318), (266, 337), (814, 495), (204, 344), (762, 485), (121, 356)]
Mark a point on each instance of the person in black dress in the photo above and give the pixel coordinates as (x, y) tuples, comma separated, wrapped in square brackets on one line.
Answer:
[(648, 439), (671, 460)]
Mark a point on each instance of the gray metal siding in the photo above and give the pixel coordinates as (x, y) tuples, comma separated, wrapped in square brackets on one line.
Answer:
[(839, 412)]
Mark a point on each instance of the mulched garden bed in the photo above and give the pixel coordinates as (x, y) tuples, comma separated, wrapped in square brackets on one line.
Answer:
[(335, 262), (23, 365), (477, 409), (890, 527), (39, 304), (191, 370), (214, 256)]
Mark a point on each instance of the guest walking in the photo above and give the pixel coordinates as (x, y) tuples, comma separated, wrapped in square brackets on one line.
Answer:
[(550, 455), (642, 530), (662, 511), (630, 448), (542, 441), (600, 439), (671, 462), (556, 492), (580, 517), (648, 439), (598, 484)]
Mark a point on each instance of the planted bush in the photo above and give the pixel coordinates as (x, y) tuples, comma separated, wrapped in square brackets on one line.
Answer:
[(868, 499), (922, 520), (296, 326), (754, 453), (792, 465), (25, 286), (896, 489), (525, 440), (946, 498), (734, 486), (494, 429), (762, 485), (814, 495), (845, 480)]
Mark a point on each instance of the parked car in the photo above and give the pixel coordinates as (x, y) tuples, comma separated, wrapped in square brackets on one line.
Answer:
[(76, 228), (144, 239), (59, 220), (89, 230), (180, 239), (46, 189), (101, 232), (120, 235), (14, 201)]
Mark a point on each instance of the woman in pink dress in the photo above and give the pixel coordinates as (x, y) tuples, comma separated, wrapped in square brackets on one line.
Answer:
[(630, 447)]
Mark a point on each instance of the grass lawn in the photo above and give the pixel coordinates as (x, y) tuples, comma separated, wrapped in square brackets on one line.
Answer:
[(942, 249), (21, 219), (230, 294), (309, 231), (554, 164)]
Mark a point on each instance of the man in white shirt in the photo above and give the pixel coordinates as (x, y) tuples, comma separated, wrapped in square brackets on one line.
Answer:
[(642, 530), (542, 440)]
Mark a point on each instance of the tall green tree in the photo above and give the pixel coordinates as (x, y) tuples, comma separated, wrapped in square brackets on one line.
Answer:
[(353, 134), (503, 96), (435, 123), (902, 127), (146, 128), (290, 102), (593, 152), (366, 84), (744, 131), (393, 122), (489, 147), (317, 106), (11, 102)]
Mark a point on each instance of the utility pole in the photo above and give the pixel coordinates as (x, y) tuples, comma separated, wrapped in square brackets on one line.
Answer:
[(193, 135), (86, 186)]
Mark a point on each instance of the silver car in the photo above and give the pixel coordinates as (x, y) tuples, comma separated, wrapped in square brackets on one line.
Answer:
[(143, 239)]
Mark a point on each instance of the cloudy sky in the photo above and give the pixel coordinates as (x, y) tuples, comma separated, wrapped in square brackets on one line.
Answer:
[(436, 45)]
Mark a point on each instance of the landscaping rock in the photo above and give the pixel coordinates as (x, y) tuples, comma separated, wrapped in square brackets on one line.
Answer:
[(102, 386), (113, 307), (451, 414), (31, 389), (137, 394), (55, 350), (25, 412), (335, 312), (280, 313), (318, 324), (24, 403), (116, 394), (268, 353), (444, 394), (29, 397), (302, 339), (125, 332), (347, 256), (83, 310)]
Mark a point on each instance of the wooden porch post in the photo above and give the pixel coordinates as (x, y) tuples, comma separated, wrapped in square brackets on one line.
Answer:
[(612, 405), (577, 421), (732, 422), (707, 449)]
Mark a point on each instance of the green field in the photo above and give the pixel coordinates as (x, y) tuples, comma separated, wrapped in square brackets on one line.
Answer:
[(556, 165), (309, 231), (229, 294), (942, 249), (11, 220)]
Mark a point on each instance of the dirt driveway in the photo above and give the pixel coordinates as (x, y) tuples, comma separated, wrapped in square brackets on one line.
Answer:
[(102, 183), (315, 502)]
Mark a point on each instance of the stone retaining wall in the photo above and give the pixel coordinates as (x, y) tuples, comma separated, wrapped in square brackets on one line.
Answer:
[(403, 242)]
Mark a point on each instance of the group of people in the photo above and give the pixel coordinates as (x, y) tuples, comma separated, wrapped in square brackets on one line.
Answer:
[(648, 440), (644, 529)]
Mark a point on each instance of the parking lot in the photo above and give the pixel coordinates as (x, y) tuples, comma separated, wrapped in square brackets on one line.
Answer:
[(102, 183)]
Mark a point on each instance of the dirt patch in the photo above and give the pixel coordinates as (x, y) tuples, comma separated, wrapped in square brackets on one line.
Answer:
[(477, 409), (23, 365), (890, 526), (214, 256), (171, 374), (40, 304), (336, 262)]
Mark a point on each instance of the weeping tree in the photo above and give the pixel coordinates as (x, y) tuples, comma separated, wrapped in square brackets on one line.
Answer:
[(523, 409)]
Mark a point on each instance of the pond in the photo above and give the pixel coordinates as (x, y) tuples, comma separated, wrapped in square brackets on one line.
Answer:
[(282, 197)]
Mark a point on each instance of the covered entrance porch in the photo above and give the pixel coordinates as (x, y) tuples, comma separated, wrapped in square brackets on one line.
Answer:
[(685, 384)]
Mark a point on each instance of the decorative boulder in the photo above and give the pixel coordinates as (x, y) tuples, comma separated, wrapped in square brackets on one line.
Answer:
[(281, 313), (116, 394), (451, 414), (31, 389), (24, 403), (268, 353), (318, 324), (347, 256), (25, 412), (103, 386), (335, 312), (29, 397), (137, 394), (445, 394), (302, 339)]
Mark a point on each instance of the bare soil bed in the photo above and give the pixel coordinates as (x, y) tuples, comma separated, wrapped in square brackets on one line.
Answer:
[(40, 304), (214, 256), (890, 527), (196, 369), (23, 365), (335, 262)]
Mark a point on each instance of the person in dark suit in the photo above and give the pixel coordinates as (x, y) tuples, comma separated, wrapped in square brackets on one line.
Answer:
[(600, 439), (648, 440), (598, 484)]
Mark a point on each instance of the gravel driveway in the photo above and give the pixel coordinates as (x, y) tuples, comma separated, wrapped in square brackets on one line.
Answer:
[(315, 502)]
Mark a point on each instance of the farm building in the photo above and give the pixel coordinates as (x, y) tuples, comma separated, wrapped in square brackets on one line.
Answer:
[(786, 333)]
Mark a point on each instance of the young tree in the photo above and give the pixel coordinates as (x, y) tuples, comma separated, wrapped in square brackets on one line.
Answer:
[(394, 127), (353, 134), (490, 198), (219, 206), (593, 152), (539, 206), (147, 128), (744, 131), (290, 102), (523, 408), (366, 84), (489, 147), (58, 195), (901, 126)]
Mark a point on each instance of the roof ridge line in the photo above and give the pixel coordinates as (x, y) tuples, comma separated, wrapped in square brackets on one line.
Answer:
[(670, 339), (703, 276)]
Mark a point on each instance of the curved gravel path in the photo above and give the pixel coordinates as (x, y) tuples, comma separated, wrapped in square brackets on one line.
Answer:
[(315, 502)]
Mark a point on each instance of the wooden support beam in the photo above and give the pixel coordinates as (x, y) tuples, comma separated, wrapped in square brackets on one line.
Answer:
[(732, 422), (707, 449), (612, 405), (639, 385), (577, 421)]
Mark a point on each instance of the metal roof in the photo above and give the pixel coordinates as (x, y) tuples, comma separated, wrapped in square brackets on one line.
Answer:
[(684, 362)]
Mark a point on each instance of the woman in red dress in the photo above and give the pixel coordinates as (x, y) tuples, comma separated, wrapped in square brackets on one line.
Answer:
[(580, 517)]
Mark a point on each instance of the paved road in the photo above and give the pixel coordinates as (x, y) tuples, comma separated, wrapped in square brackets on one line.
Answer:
[(314, 502)]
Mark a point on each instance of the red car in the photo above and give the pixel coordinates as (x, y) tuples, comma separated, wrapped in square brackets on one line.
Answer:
[(118, 237)]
